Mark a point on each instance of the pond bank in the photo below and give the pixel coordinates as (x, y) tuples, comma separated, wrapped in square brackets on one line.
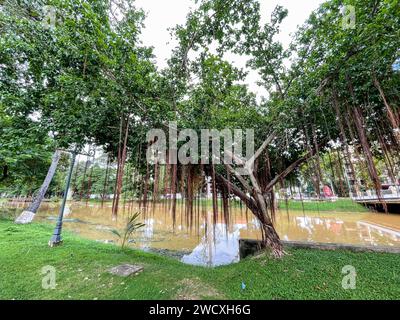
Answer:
[(81, 272), (250, 247)]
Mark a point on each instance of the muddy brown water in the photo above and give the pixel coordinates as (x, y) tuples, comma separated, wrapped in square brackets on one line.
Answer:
[(212, 246)]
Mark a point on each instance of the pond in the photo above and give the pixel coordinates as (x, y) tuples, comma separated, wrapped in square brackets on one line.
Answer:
[(204, 244)]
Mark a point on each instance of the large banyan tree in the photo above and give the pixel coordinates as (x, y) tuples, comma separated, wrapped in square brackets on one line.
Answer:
[(334, 90), (340, 93)]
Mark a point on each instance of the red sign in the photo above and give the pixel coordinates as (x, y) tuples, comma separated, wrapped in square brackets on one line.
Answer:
[(327, 192)]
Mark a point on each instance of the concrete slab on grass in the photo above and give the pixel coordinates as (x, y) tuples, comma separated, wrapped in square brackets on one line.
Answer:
[(125, 270)]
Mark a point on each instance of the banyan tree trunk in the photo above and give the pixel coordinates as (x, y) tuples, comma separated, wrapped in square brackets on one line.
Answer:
[(271, 239), (259, 206), (120, 173), (27, 215), (83, 180), (103, 196), (394, 121), (358, 120), (316, 178), (343, 140)]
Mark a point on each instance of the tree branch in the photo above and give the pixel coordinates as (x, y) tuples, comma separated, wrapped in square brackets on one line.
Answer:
[(290, 168)]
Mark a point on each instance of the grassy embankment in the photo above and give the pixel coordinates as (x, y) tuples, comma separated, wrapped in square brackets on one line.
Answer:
[(81, 272), (340, 205)]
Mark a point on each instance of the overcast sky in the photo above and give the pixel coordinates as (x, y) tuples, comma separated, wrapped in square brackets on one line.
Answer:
[(164, 14)]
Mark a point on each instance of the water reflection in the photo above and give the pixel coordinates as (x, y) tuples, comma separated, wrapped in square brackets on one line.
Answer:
[(223, 249), (207, 245)]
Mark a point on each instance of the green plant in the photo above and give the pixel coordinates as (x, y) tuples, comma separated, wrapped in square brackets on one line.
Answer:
[(132, 225)]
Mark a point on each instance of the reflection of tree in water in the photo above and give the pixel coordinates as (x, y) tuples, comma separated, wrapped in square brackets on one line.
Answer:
[(317, 228), (147, 234), (218, 246), (67, 209), (374, 234)]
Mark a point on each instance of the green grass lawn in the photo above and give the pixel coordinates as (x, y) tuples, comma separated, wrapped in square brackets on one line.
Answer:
[(340, 205), (81, 272)]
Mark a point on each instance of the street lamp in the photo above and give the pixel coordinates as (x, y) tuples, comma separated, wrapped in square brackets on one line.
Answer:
[(56, 237)]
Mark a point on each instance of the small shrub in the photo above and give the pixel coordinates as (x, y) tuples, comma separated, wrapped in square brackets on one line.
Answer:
[(131, 226)]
